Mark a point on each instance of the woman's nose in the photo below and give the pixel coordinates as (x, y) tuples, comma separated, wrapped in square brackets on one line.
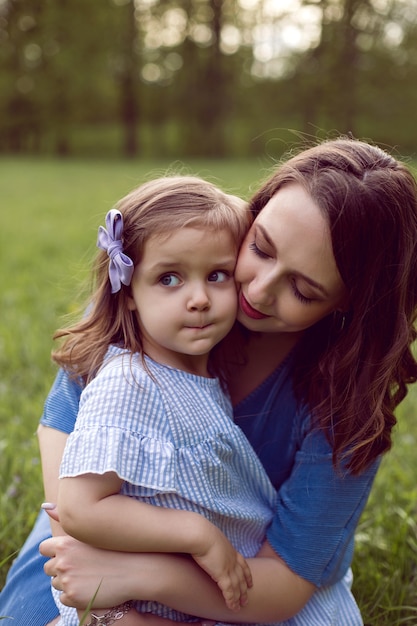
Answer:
[(263, 290)]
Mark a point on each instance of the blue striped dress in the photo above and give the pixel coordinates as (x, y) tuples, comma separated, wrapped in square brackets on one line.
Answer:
[(170, 436)]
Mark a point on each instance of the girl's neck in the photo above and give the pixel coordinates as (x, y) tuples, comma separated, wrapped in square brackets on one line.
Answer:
[(197, 365)]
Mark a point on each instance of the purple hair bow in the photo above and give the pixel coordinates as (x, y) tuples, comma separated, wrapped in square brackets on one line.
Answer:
[(120, 266)]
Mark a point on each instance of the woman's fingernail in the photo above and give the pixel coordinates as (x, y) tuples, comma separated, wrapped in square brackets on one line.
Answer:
[(48, 506)]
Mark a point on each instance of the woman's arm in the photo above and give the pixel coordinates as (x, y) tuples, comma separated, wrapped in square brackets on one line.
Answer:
[(276, 595), (51, 445), (92, 510)]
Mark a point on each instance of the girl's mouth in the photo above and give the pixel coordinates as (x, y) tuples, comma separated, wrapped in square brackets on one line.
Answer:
[(249, 310)]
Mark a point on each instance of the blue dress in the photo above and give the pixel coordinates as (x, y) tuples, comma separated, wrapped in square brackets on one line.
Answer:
[(313, 527)]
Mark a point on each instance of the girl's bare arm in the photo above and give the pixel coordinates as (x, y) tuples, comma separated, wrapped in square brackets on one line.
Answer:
[(92, 510)]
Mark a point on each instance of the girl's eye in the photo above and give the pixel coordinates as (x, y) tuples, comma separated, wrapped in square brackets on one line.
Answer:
[(299, 295), (258, 251), (219, 276), (169, 280)]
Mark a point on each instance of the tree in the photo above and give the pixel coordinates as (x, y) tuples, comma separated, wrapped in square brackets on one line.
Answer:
[(345, 78), (127, 74), (203, 77)]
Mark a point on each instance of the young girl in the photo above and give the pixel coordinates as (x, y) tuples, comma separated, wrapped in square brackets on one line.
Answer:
[(154, 422)]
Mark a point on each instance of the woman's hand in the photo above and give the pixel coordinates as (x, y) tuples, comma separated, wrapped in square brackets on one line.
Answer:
[(79, 571)]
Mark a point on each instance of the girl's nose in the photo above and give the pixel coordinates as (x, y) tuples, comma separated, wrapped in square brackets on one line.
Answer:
[(198, 300)]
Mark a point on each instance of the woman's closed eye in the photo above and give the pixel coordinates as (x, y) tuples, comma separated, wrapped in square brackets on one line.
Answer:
[(300, 296), (254, 247)]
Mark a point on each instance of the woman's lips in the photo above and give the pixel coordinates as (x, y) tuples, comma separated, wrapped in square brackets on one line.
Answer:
[(249, 310)]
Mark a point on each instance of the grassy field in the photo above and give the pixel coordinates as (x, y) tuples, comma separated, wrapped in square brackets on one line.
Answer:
[(49, 216)]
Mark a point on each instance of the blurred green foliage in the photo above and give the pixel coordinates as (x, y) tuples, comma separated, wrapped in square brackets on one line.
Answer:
[(175, 78)]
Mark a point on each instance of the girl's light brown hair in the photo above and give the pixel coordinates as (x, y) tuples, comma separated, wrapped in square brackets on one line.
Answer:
[(354, 377), (158, 206)]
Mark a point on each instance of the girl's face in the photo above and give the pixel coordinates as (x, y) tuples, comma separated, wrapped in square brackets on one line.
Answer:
[(286, 269), (185, 296)]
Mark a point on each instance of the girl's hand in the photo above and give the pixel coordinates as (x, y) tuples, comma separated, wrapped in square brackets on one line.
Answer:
[(227, 567)]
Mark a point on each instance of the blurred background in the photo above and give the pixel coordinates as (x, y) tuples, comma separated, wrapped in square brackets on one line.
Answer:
[(209, 78)]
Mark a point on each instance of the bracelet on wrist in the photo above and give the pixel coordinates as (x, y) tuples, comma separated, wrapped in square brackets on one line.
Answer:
[(111, 616)]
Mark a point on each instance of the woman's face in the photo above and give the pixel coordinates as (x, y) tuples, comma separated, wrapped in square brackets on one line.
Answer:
[(286, 268)]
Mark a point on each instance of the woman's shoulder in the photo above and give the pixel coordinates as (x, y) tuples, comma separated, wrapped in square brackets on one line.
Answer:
[(61, 405)]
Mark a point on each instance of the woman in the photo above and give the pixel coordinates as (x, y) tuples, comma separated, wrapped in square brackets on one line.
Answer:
[(328, 304)]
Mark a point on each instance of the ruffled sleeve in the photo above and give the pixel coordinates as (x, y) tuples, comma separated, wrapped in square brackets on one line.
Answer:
[(121, 427)]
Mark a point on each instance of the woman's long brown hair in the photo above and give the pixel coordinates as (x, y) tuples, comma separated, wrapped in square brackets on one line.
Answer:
[(354, 368)]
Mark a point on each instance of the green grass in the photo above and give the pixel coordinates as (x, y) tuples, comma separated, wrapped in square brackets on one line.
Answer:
[(49, 216)]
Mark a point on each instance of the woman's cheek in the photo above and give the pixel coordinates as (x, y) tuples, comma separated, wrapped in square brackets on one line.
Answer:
[(245, 266)]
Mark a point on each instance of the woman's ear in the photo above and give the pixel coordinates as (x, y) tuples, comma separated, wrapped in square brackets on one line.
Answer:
[(344, 305)]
